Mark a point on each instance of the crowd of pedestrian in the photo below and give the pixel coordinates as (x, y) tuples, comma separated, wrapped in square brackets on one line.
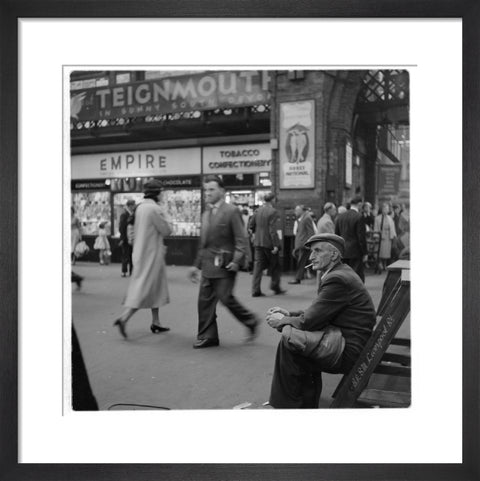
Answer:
[(327, 336)]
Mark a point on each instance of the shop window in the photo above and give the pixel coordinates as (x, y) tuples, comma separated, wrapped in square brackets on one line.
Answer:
[(92, 208), (184, 209), (119, 201)]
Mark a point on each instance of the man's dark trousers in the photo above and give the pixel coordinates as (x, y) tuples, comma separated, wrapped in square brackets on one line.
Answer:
[(126, 258), (264, 258), (213, 290), (302, 259), (297, 381)]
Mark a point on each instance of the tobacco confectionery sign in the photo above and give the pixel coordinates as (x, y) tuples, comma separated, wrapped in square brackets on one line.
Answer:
[(297, 145), (140, 163), (202, 91), (234, 159)]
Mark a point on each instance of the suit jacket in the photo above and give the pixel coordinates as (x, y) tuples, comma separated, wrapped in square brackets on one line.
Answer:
[(221, 234), (305, 230), (351, 227), (343, 302), (325, 225), (122, 225), (265, 223)]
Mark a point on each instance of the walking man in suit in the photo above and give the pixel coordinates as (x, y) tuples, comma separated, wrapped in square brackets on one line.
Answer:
[(351, 227), (221, 252), (265, 224), (127, 264), (305, 230)]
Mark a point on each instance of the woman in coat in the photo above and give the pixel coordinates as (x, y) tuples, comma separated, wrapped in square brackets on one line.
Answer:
[(148, 285), (385, 225)]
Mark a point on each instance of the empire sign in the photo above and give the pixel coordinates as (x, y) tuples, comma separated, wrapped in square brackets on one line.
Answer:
[(203, 91)]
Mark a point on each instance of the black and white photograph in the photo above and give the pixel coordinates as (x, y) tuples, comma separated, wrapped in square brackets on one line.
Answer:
[(242, 275), (240, 238)]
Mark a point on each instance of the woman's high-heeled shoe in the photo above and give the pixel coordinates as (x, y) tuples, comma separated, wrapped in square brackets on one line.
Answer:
[(121, 327), (154, 328)]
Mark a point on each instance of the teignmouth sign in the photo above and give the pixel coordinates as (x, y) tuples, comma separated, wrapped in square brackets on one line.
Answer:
[(202, 91)]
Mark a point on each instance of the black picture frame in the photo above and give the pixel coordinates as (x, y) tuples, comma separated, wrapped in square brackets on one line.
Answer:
[(468, 10)]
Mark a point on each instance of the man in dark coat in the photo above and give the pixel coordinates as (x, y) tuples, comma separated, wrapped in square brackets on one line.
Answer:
[(305, 229), (265, 224), (127, 265), (221, 252), (328, 336), (351, 227)]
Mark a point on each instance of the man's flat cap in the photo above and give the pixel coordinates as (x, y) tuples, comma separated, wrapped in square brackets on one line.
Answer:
[(333, 239)]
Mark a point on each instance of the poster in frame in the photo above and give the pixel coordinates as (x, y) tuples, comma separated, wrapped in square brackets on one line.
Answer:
[(11, 469)]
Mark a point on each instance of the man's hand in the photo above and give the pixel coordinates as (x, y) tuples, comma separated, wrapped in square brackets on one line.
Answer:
[(232, 266), (275, 320), (194, 274), (272, 310), (275, 250), (365, 258)]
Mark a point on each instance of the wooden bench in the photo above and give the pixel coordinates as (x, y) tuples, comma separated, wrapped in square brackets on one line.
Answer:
[(355, 390)]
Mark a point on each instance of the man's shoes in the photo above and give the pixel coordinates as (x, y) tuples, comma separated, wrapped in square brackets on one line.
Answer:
[(258, 294), (124, 274), (279, 292), (201, 343), (253, 331), (295, 281)]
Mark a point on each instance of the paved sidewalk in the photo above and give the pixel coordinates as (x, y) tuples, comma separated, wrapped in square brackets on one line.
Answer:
[(163, 369)]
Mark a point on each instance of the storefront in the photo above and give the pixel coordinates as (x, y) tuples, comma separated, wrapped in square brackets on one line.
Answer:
[(102, 184), (245, 170)]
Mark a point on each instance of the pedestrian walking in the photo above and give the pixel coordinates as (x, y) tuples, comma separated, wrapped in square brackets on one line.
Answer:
[(148, 287), (221, 253), (351, 227), (102, 245), (385, 225), (266, 226), (305, 229), (125, 218)]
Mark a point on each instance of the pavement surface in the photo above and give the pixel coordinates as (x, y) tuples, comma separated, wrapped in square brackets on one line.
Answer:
[(163, 370)]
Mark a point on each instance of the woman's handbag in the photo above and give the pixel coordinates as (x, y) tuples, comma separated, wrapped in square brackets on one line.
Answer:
[(81, 249)]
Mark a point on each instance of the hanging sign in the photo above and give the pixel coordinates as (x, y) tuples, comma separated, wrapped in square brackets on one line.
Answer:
[(388, 179), (297, 145)]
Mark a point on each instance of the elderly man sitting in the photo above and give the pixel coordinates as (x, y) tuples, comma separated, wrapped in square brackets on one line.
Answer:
[(328, 336)]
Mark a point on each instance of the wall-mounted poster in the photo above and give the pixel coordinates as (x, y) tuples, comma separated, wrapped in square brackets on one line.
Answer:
[(297, 145)]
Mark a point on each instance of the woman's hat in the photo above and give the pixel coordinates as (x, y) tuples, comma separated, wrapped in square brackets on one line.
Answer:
[(152, 187)]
